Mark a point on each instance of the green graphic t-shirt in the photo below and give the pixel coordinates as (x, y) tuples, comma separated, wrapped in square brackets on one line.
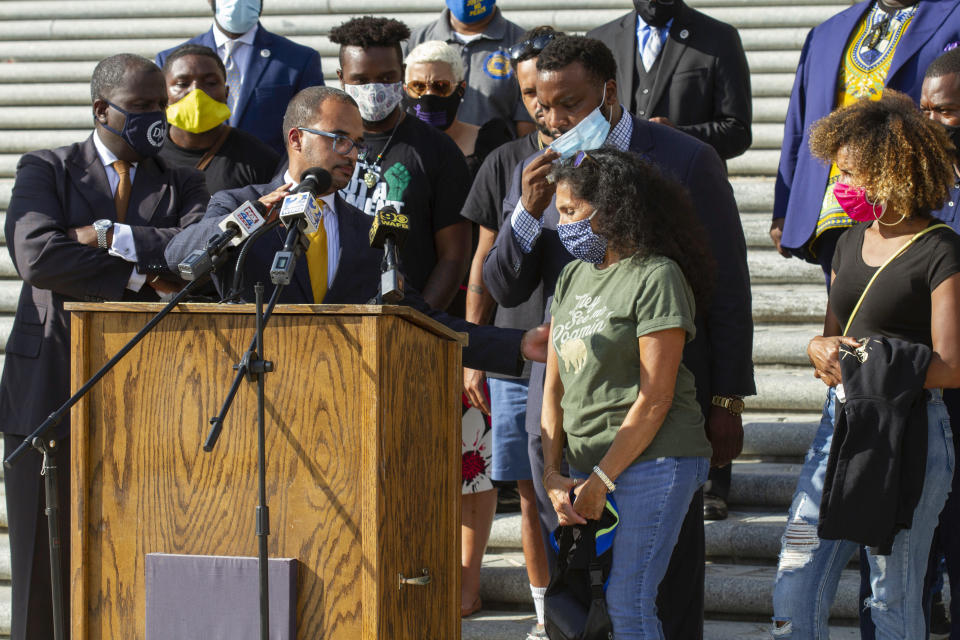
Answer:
[(598, 314)]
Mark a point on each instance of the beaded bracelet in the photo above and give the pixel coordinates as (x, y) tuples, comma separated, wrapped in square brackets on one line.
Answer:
[(604, 479)]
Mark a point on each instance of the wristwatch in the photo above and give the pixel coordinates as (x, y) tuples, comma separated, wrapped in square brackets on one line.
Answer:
[(733, 404), (101, 227)]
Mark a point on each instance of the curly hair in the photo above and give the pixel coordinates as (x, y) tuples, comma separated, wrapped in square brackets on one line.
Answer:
[(367, 31), (901, 157), (640, 211), (594, 55)]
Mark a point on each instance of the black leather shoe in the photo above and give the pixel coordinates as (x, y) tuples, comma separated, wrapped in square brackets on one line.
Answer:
[(714, 508)]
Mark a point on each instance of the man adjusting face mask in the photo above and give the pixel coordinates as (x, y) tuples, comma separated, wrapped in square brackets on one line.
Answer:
[(656, 13), (589, 134), (197, 112)]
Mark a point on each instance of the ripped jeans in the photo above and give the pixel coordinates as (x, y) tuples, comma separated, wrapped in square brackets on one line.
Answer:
[(809, 569)]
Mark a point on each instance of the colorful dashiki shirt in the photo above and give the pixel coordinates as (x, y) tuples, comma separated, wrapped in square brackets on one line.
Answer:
[(863, 73)]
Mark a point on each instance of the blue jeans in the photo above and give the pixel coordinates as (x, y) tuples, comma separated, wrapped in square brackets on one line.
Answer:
[(652, 497), (508, 412), (810, 568)]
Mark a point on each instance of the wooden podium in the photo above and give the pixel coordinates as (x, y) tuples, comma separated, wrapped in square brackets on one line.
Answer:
[(363, 451)]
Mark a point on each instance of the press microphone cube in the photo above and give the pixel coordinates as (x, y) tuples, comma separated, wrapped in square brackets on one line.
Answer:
[(245, 219), (281, 272), (388, 223), (196, 265), (301, 207)]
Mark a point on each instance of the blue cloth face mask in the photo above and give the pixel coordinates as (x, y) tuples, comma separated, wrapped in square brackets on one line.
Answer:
[(589, 134), (579, 239), (144, 132), (468, 11), (237, 16)]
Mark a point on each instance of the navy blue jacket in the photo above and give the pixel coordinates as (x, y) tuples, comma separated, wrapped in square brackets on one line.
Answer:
[(279, 68), (356, 281), (721, 355)]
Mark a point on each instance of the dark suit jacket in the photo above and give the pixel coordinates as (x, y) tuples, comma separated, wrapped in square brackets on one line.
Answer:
[(356, 282), (801, 178), (721, 355), (703, 85), (279, 68), (56, 190)]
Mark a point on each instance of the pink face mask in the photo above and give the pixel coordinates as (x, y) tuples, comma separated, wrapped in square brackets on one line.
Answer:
[(853, 201)]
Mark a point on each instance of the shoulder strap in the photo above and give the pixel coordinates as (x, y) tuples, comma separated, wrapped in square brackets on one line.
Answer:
[(212, 151), (885, 263)]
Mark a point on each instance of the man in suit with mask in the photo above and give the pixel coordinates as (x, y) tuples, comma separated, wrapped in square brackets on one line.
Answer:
[(681, 68), (264, 70), (324, 129), (88, 221)]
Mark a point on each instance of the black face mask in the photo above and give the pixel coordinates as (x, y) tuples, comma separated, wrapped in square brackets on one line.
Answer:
[(654, 13), (437, 111)]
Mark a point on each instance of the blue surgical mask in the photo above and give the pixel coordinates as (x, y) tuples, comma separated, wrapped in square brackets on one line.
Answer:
[(589, 134), (468, 11), (237, 16), (144, 132), (579, 239)]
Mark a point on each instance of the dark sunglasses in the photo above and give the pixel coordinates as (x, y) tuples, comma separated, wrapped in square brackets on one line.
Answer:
[(417, 88), (533, 45)]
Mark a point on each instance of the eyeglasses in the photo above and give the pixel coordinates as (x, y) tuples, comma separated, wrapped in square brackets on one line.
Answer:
[(417, 88), (341, 144), (580, 157), (531, 46)]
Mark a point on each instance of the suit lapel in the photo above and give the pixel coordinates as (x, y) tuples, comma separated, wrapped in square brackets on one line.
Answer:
[(641, 141), (625, 50), (90, 179), (257, 65), (676, 43), (829, 50), (352, 231), (926, 21), (145, 197)]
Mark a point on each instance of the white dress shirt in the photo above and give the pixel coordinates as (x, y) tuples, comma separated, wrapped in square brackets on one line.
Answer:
[(242, 52), (123, 245)]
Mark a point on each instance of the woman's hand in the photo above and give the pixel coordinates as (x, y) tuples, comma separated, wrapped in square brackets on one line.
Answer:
[(824, 354), (591, 498), (558, 488)]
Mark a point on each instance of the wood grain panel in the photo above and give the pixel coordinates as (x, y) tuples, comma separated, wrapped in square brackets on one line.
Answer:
[(149, 487)]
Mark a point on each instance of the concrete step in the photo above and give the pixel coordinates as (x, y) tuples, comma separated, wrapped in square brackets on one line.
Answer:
[(513, 625), (729, 589), (783, 344), (754, 194), (9, 294), (768, 266), (789, 303), (774, 60), (763, 484), (755, 162), (778, 435), (787, 388)]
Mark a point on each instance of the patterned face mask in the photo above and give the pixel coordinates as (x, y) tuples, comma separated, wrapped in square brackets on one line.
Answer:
[(579, 239), (376, 100)]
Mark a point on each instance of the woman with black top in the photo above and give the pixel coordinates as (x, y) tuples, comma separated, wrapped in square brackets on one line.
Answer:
[(895, 168)]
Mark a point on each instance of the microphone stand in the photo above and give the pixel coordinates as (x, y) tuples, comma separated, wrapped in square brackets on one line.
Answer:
[(254, 368), (38, 441)]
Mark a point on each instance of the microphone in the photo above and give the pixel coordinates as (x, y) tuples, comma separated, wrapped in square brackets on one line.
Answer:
[(235, 228), (302, 205), (301, 215), (388, 231)]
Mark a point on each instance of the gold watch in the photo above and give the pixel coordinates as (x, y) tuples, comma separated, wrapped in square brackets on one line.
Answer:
[(733, 404)]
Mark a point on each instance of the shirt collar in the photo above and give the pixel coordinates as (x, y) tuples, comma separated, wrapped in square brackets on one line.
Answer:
[(620, 134), (496, 30), (107, 157), (328, 199), (643, 26), (220, 38)]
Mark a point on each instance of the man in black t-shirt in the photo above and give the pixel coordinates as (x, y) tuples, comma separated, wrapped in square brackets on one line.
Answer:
[(198, 135), (408, 164)]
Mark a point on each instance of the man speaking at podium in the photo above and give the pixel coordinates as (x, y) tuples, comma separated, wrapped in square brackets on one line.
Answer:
[(322, 128)]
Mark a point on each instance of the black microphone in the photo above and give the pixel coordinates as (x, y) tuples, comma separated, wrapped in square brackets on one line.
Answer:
[(388, 232), (235, 228), (301, 214)]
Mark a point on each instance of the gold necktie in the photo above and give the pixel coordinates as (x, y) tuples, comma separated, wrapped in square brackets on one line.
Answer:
[(121, 199), (317, 259)]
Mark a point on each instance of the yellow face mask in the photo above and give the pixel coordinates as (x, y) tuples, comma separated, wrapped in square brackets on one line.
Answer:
[(197, 112)]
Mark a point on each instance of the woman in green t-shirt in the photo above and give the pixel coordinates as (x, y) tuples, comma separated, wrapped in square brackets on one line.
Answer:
[(617, 394)]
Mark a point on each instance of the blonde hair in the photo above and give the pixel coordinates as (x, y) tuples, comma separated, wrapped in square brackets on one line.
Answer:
[(902, 157), (435, 51)]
